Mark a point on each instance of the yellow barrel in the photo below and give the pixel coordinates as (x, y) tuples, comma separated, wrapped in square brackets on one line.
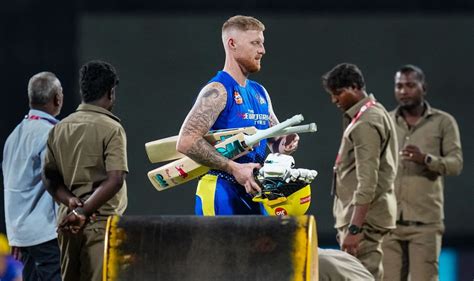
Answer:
[(196, 248)]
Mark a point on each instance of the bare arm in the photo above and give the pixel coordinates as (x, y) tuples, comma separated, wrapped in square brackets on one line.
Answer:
[(51, 176), (209, 104), (211, 101), (54, 184), (74, 221), (104, 192)]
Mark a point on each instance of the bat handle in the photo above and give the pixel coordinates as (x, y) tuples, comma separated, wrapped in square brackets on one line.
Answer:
[(272, 131), (308, 128)]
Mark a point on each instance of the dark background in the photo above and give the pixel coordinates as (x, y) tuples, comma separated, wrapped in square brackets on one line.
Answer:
[(166, 51)]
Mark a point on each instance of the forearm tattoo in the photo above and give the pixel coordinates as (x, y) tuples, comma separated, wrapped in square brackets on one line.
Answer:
[(203, 115), (202, 152)]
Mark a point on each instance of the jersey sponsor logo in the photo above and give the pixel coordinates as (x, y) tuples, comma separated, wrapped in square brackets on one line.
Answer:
[(280, 212), (161, 181), (181, 172), (258, 118), (305, 199), (238, 98), (231, 149)]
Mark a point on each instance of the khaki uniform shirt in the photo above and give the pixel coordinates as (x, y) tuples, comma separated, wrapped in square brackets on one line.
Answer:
[(83, 147), (366, 166), (419, 188)]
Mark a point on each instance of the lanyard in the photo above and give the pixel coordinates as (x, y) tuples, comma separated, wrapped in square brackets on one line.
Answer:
[(36, 117), (363, 109)]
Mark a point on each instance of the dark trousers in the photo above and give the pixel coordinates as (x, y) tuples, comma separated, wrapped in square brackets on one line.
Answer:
[(82, 254), (41, 262)]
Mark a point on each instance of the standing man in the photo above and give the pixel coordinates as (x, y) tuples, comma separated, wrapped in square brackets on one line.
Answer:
[(30, 212), (364, 172), (85, 168), (230, 100), (430, 147)]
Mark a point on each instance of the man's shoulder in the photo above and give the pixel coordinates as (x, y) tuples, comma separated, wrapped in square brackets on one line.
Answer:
[(92, 118), (375, 113), (90, 124), (441, 113), (33, 131)]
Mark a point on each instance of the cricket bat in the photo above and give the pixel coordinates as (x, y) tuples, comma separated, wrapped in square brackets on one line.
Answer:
[(165, 149), (185, 169)]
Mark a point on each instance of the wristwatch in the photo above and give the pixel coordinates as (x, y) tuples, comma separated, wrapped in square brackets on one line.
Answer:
[(354, 229), (79, 212)]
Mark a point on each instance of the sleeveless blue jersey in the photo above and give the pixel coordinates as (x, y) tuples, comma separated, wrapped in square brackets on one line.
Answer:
[(246, 106), (218, 193)]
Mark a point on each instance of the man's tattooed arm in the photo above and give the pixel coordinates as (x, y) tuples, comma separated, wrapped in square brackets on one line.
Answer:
[(209, 104)]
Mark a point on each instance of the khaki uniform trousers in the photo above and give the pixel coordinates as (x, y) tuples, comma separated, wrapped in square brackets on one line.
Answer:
[(412, 251), (336, 265), (370, 248), (82, 254)]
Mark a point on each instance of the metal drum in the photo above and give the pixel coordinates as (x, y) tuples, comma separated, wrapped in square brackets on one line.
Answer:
[(220, 248)]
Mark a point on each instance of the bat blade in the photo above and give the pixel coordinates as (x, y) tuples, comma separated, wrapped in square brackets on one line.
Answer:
[(165, 149), (185, 169)]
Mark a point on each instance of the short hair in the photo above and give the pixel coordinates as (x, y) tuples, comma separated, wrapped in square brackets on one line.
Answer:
[(343, 75), (410, 68), (96, 78), (243, 23), (42, 87)]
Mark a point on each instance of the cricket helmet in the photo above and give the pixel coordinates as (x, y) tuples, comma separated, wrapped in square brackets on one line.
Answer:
[(289, 199)]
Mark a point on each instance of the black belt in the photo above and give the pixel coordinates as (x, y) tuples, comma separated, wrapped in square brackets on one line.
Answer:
[(410, 223)]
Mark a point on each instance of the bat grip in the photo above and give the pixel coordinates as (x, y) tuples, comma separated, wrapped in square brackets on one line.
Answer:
[(273, 131), (308, 128)]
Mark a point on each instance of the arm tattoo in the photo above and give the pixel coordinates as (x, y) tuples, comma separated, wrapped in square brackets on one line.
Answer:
[(202, 152), (205, 112)]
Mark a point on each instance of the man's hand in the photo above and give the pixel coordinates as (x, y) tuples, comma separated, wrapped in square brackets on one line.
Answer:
[(350, 243), (243, 174), (288, 144), (72, 223), (413, 153)]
